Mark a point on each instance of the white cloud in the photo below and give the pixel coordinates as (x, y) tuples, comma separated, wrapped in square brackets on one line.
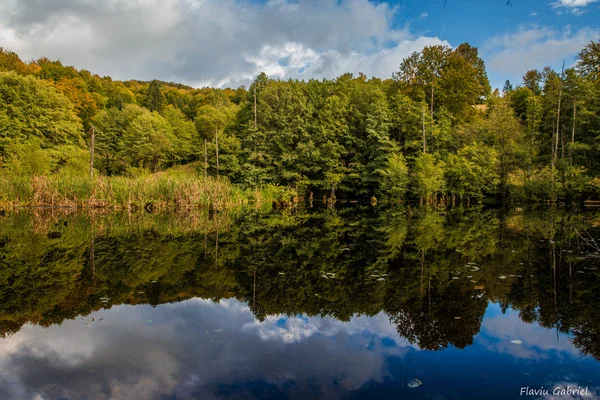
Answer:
[(511, 55), (423, 15), (573, 6), (575, 3), (211, 42)]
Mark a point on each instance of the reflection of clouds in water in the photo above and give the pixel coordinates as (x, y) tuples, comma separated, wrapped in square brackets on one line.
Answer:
[(195, 347), (497, 332), (293, 330)]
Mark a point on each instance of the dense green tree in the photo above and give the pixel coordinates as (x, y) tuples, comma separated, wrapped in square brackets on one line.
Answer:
[(395, 180), (428, 177), (184, 134), (472, 172), (30, 107), (148, 141), (154, 98)]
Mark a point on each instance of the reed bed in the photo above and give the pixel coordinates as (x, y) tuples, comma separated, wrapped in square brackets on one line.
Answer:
[(173, 190)]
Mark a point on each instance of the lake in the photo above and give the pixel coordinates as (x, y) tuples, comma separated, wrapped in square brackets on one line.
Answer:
[(355, 301)]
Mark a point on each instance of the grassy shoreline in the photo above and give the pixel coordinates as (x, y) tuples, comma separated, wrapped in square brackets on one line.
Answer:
[(161, 191)]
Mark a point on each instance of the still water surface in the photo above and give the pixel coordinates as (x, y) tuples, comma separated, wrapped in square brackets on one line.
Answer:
[(354, 302)]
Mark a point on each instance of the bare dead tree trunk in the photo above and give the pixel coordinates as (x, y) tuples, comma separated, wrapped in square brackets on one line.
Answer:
[(558, 111), (553, 160), (424, 135), (432, 100), (217, 149), (92, 146), (562, 143), (205, 160), (573, 132), (255, 119)]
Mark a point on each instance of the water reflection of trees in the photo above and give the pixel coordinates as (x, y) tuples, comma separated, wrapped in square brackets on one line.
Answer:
[(433, 272)]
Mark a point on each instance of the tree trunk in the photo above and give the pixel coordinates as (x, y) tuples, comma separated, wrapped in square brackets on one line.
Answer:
[(573, 133), (553, 160), (558, 114), (92, 145), (562, 143), (424, 135), (205, 160), (217, 149), (431, 101), (255, 119)]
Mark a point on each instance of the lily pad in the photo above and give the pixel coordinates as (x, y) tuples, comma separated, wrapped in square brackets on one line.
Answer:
[(413, 383)]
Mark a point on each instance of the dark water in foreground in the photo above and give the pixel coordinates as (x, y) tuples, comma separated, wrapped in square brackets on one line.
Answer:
[(356, 302)]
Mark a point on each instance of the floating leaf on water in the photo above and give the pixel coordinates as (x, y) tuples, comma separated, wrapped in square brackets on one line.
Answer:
[(516, 341), (413, 383)]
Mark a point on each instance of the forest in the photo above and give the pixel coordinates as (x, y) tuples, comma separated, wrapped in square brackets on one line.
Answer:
[(434, 131)]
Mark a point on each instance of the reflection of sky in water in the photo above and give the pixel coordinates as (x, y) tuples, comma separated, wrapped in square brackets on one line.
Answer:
[(203, 350)]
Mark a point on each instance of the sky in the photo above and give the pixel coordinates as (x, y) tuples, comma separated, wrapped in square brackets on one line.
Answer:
[(226, 43)]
